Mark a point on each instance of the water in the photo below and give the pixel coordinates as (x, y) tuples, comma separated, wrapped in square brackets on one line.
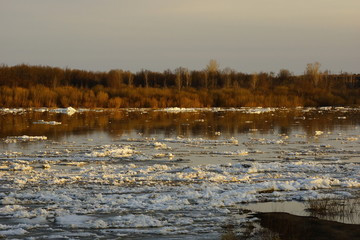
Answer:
[(170, 173)]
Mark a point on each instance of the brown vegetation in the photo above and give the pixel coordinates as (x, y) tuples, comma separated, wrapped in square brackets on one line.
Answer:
[(38, 86)]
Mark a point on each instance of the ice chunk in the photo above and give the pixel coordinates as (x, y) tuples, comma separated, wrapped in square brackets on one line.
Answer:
[(234, 153), (318, 133), (11, 232), (201, 140), (137, 221), (178, 110), (159, 145), (13, 110), (74, 221), (112, 151), (47, 122), (69, 110), (24, 138)]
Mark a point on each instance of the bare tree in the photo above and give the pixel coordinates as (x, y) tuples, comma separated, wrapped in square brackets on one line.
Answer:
[(130, 79), (146, 77), (213, 66), (178, 80), (284, 76), (182, 77), (212, 70), (254, 80), (115, 78), (313, 72), (227, 72), (187, 78)]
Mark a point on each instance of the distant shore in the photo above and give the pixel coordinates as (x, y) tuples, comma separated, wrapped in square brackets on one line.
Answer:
[(42, 86)]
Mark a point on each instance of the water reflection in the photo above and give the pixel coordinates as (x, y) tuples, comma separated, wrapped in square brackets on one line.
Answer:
[(208, 124)]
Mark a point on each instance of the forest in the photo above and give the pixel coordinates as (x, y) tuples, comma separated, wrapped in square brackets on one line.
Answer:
[(43, 86)]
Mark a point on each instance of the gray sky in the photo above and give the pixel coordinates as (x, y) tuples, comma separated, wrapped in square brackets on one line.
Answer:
[(246, 35)]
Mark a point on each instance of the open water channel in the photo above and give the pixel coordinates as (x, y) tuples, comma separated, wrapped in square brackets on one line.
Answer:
[(169, 173)]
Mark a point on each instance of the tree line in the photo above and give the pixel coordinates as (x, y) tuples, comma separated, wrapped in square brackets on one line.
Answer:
[(39, 86)]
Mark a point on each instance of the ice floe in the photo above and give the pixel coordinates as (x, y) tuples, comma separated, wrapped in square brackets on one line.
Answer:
[(159, 145), (47, 122), (112, 151), (177, 110), (234, 153), (69, 110), (10, 232), (200, 140), (12, 110), (24, 138)]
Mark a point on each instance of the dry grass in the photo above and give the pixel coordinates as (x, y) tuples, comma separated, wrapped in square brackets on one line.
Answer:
[(332, 207)]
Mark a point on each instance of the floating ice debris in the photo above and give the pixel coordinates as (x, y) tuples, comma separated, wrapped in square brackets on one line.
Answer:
[(137, 221), (151, 197), (69, 110), (41, 110), (235, 153), (352, 139), (264, 141), (73, 221), (46, 166), (200, 140), (147, 194), (19, 167), (12, 110), (24, 138), (10, 154), (178, 110), (112, 151), (12, 232), (140, 157), (159, 145), (300, 118), (164, 155), (318, 133), (259, 110), (47, 122)]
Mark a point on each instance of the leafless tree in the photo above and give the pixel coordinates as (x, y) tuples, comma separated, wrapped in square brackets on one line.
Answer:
[(313, 72), (212, 70)]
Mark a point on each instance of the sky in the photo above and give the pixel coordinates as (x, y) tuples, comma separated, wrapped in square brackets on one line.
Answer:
[(245, 35)]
